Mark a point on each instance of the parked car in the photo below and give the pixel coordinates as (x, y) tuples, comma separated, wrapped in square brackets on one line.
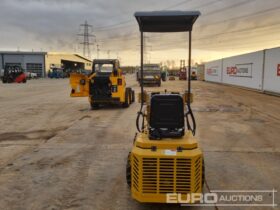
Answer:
[(31, 75)]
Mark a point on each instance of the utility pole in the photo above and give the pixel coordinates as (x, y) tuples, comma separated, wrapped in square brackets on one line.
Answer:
[(118, 57), (147, 56), (182, 64), (86, 35), (97, 50), (108, 53)]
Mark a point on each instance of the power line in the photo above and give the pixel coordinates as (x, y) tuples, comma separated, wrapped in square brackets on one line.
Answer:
[(178, 4), (216, 11), (128, 21), (241, 17), (115, 26), (216, 45), (206, 37), (86, 39), (101, 28), (229, 7), (238, 31), (206, 25), (97, 51), (207, 4), (165, 45), (242, 46)]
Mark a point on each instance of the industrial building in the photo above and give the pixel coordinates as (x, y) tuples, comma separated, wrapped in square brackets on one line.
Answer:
[(41, 62)]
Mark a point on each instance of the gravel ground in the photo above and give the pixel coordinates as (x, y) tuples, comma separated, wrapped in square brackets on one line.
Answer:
[(56, 153)]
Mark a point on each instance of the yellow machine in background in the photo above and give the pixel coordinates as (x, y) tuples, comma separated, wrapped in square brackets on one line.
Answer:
[(165, 159), (105, 85)]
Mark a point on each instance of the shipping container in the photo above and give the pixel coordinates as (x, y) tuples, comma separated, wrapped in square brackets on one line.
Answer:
[(272, 70), (244, 70), (213, 71)]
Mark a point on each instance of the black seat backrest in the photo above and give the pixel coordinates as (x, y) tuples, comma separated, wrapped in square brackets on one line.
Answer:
[(167, 111), (100, 88)]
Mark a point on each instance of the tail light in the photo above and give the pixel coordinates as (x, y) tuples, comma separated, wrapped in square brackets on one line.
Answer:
[(119, 81)]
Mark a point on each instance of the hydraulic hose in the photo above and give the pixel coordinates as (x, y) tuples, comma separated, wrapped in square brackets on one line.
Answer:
[(139, 115), (190, 113)]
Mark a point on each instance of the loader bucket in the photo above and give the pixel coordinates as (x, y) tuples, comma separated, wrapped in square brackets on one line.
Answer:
[(79, 84)]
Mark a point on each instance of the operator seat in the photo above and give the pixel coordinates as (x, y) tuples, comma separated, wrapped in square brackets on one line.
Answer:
[(166, 116)]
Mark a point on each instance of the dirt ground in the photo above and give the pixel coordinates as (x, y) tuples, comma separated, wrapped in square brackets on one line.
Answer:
[(56, 153)]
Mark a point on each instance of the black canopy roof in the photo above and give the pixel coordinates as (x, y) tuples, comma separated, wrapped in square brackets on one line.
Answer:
[(166, 21), (105, 61)]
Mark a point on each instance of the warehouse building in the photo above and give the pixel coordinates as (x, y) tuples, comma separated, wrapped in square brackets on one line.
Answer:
[(41, 62)]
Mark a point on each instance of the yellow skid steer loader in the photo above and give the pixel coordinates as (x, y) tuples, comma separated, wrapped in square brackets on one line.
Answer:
[(105, 85)]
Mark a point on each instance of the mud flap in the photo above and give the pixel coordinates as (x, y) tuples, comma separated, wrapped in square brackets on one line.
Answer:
[(79, 85)]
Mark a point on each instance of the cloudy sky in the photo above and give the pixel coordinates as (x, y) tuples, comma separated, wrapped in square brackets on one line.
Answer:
[(225, 28)]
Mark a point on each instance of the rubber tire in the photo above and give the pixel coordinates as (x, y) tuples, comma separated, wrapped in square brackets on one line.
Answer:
[(9, 80), (159, 83), (4, 81), (94, 106), (126, 102), (24, 81), (132, 96), (128, 171)]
